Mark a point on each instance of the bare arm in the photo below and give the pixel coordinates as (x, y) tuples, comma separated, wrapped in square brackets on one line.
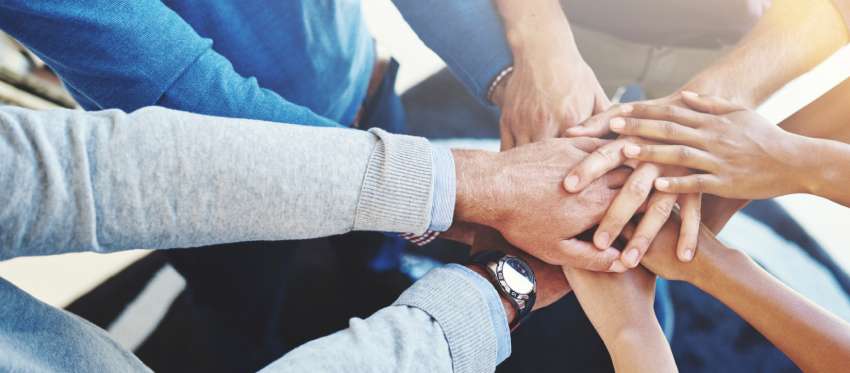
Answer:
[(551, 87), (619, 305), (741, 154), (813, 338), (800, 34)]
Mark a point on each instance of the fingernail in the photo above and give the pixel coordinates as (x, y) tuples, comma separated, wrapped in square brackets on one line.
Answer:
[(571, 182), (631, 150), (617, 123), (618, 267), (626, 108), (688, 255), (689, 94), (662, 184), (603, 240), (632, 257)]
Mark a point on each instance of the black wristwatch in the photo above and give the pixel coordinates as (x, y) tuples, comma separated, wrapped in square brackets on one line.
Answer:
[(513, 278)]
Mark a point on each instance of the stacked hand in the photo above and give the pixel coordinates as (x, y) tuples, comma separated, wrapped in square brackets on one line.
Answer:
[(638, 189), (749, 161), (519, 192)]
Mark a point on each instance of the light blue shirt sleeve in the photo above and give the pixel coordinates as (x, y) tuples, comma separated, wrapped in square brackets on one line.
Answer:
[(468, 35), (451, 320), (445, 190)]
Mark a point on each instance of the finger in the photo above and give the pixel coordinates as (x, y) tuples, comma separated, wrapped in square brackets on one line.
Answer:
[(671, 113), (690, 205), (588, 144), (658, 130), (709, 104), (660, 207), (677, 155), (506, 135), (597, 125), (617, 178), (592, 167), (584, 255), (698, 183), (633, 194)]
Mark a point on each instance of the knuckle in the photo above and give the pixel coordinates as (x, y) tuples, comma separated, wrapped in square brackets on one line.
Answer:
[(663, 207), (700, 182), (668, 111), (685, 153), (607, 154), (668, 129), (638, 187)]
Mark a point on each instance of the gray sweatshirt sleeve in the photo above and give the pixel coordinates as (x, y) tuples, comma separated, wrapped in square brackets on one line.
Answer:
[(451, 320), (157, 178)]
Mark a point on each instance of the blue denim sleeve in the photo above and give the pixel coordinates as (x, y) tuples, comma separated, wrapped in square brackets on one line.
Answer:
[(129, 54), (445, 190), (468, 35)]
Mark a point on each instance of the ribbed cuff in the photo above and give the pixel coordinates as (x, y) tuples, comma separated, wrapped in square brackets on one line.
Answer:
[(445, 190), (469, 311), (397, 189)]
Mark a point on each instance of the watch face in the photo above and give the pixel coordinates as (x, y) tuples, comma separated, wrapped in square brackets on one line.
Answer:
[(517, 275)]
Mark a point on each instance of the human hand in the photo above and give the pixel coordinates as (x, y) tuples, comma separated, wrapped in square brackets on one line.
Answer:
[(636, 192), (544, 96), (519, 192), (551, 87), (742, 154)]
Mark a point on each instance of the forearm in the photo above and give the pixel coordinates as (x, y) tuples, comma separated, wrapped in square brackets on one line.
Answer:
[(156, 178), (799, 33), (814, 339), (642, 347), (823, 168), (526, 21), (451, 320)]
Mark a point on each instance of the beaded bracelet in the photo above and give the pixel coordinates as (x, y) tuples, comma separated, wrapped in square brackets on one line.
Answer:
[(502, 75)]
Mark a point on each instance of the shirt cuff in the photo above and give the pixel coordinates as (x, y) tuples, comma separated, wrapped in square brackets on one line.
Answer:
[(470, 313), (445, 190)]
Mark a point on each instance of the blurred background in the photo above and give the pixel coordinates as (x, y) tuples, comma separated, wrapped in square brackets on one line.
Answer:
[(62, 280)]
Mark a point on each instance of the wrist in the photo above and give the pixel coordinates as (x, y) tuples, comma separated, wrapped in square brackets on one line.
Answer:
[(510, 313), (632, 334), (525, 20), (476, 188), (806, 166), (713, 262)]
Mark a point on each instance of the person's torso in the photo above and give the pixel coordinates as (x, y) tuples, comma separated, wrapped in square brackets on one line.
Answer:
[(315, 53)]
